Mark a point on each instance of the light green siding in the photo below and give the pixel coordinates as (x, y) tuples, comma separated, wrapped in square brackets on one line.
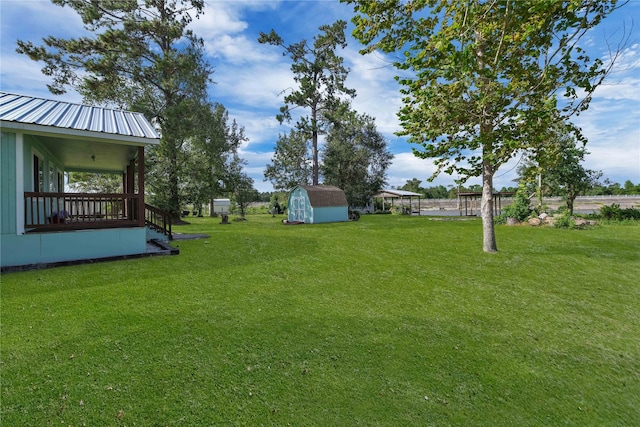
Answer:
[(33, 146), (8, 183), (40, 248)]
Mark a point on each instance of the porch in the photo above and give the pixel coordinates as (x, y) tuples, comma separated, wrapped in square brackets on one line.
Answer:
[(44, 211), (41, 222)]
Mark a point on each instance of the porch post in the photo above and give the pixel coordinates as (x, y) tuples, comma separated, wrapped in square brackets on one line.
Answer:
[(141, 211), (130, 189), (20, 214)]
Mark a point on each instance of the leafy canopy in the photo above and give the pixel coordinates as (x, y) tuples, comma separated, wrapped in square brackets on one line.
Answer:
[(356, 158), (483, 79)]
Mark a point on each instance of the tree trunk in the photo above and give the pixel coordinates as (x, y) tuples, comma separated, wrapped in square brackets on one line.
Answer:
[(314, 145), (570, 198), (486, 205), (174, 198), (486, 136)]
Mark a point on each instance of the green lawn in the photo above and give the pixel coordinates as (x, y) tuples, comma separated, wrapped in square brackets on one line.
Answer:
[(389, 321)]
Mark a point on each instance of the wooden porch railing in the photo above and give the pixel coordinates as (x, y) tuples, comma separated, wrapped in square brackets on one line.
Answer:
[(69, 211), (158, 220)]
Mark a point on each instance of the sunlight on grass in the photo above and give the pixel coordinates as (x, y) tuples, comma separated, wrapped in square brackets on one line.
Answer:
[(386, 321)]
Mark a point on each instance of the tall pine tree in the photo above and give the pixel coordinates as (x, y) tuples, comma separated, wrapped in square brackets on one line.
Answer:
[(140, 57)]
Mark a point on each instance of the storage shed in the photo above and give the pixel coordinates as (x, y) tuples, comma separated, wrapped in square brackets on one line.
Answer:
[(221, 206), (314, 204)]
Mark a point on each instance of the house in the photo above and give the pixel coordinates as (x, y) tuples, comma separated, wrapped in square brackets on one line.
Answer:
[(315, 204), (40, 223)]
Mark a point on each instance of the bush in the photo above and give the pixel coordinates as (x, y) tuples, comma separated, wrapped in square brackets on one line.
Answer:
[(614, 213), (564, 221), (518, 209)]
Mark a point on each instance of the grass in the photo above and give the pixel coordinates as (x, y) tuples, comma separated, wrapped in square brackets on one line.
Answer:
[(383, 322)]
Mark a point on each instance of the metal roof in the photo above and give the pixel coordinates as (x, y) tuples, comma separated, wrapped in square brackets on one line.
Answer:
[(65, 115), (398, 193)]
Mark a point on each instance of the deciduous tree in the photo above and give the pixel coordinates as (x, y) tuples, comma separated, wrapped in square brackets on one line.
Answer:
[(482, 79), (239, 184), (210, 155), (567, 175), (355, 157)]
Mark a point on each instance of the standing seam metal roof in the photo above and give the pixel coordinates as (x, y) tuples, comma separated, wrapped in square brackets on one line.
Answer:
[(44, 112)]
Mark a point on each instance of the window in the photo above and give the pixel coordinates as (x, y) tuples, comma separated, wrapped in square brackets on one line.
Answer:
[(53, 182), (38, 173), (60, 182)]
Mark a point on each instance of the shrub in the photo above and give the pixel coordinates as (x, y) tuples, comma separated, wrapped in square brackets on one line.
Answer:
[(614, 213), (564, 221), (518, 209)]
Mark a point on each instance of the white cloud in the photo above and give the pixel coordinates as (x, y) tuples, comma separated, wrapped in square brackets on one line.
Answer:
[(377, 92), (218, 19), (255, 86), (238, 50), (619, 159), (406, 166), (221, 26)]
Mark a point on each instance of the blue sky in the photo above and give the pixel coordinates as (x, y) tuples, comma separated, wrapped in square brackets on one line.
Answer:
[(250, 78)]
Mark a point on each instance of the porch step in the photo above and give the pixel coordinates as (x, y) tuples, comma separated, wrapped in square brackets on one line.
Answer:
[(160, 247)]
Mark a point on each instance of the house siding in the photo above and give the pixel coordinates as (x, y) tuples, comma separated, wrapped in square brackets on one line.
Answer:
[(33, 146), (8, 197), (42, 248)]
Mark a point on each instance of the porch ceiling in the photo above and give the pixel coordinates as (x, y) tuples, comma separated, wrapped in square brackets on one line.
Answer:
[(89, 156)]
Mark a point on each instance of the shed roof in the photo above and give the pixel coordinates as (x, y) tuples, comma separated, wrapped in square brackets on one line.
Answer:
[(27, 110), (325, 195), (397, 193)]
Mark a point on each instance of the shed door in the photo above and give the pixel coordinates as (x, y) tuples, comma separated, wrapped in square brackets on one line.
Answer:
[(298, 203)]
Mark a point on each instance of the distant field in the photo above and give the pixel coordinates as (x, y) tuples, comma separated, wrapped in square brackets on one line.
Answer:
[(389, 321)]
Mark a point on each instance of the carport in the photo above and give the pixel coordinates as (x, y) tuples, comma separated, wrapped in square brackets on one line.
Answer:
[(393, 195)]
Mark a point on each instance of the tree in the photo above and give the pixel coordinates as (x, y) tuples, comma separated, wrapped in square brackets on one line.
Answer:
[(437, 192), (481, 80), (210, 155), (239, 184), (566, 174), (538, 160), (95, 182), (413, 185), (291, 163), (356, 158), (140, 57), (320, 75), (555, 167)]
